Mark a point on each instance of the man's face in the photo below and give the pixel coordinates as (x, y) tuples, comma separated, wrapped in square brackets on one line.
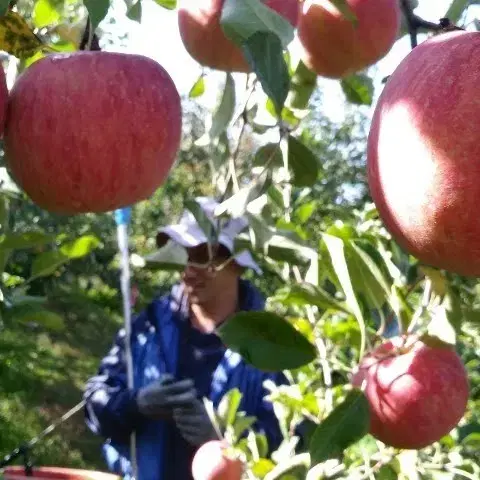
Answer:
[(202, 283)]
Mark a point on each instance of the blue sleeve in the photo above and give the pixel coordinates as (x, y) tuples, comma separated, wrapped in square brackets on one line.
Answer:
[(267, 421), (110, 407)]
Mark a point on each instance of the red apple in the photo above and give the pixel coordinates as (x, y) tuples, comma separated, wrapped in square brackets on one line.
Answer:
[(17, 472), (334, 47), (423, 156), (204, 39), (212, 463), (417, 393), (92, 131)]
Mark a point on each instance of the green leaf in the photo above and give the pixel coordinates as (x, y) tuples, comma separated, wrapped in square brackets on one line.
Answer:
[(198, 88), (171, 256), (47, 263), (4, 211), (202, 219), (97, 9), (47, 319), (308, 294), (237, 204), (358, 89), (228, 407), (266, 341), (17, 241), (437, 277), (290, 468), (345, 9), (240, 20), (288, 116), (262, 466), (4, 4), (336, 249), (440, 329), (303, 162), (305, 211), (263, 52), (19, 298), (456, 10), (168, 4), (80, 247), (278, 245), (225, 110), (242, 423), (367, 278), (44, 13), (346, 424), (303, 84), (472, 440), (268, 154), (135, 12)]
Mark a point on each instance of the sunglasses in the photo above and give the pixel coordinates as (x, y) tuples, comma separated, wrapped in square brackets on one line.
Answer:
[(209, 257)]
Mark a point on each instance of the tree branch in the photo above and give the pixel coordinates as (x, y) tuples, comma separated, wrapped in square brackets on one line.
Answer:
[(415, 23)]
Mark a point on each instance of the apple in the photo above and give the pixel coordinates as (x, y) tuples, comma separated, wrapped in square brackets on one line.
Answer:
[(423, 154), (334, 47), (204, 39), (92, 131), (417, 393), (211, 462)]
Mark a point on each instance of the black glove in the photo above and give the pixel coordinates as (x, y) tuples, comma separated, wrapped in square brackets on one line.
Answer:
[(194, 423), (158, 399)]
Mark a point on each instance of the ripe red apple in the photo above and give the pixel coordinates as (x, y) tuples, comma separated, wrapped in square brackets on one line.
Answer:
[(417, 393), (92, 131), (334, 47), (423, 156), (204, 39), (211, 463)]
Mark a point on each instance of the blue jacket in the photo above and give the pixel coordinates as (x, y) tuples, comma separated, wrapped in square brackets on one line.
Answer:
[(156, 333)]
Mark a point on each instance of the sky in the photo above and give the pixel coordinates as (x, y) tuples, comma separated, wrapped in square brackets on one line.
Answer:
[(157, 37)]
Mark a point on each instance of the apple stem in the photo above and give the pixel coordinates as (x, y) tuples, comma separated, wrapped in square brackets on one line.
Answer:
[(416, 23), (89, 41), (427, 293)]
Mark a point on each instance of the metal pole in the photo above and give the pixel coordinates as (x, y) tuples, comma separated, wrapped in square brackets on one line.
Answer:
[(122, 218)]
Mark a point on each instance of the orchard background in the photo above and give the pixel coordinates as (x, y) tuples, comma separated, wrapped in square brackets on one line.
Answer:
[(331, 269)]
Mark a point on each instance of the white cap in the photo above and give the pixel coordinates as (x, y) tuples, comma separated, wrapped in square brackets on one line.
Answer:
[(188, 233)]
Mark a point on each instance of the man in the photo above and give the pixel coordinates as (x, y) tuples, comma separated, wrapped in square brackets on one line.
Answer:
[(178, 360)]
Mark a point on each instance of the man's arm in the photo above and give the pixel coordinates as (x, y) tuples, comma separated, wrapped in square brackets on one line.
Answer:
[(111, 409)]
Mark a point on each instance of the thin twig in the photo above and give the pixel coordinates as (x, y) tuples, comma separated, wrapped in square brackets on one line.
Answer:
[(322, 351), (232, 173), (415, 23), (427, 293), (381, 463)]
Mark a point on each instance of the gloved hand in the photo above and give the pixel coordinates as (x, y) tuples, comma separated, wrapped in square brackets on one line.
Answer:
[(158, 399), (194, 423)]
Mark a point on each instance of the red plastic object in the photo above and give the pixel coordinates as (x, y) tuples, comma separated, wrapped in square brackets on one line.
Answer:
[(17, 472)]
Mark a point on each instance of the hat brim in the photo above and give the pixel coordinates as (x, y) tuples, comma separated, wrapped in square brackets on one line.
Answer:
[(192, 236)]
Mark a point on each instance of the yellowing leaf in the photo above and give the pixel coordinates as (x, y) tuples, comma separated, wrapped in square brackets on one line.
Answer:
[(44, 13), (17, 38)]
